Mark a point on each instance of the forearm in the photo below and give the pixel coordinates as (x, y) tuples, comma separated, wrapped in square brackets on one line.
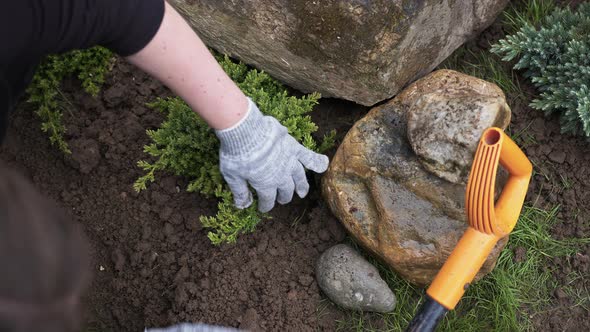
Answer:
[(179, 59)]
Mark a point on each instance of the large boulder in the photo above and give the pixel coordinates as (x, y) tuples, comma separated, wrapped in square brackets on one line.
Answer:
[(380, 190), (364, 51)]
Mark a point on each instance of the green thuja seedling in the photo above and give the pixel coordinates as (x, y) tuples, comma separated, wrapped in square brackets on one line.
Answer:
[(90, 66), (229, 221), (555, 58), (185, 146)]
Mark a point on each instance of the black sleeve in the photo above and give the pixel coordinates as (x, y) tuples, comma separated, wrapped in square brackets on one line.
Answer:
[(39, 27)]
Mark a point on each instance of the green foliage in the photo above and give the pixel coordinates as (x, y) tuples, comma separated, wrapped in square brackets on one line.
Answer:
[(328, 142), (89, 65), (273, 99), (504, 300), (185, 146), (555, 58), (230, 222), (529, 12)]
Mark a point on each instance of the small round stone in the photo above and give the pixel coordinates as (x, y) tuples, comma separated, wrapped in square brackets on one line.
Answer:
[(352, 282)]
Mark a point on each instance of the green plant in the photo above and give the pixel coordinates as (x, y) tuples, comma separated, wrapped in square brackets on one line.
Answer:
[(185, 146), (89, 66), (230, 222), (555, 58), (520, 13), (506, 299)]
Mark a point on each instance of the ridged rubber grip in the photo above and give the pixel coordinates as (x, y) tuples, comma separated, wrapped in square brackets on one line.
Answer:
[(488, 222)]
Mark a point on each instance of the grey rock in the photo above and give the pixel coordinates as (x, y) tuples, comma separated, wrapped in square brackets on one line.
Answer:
[(352, 282), (364, 51), (444, 126), (382, 193)]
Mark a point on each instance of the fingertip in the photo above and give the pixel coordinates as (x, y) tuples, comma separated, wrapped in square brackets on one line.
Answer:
[(264, 208), (324, 162), (244, 203), (302, 190), (284, 202), (313, 161)]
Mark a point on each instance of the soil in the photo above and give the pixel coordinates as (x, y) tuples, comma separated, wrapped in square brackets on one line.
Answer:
[(561, 179), (153, 264)]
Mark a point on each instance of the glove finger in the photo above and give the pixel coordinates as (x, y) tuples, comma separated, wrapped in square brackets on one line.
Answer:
[(285, 191), (313, 161), (300, 180), (241, 193), (266, 198)]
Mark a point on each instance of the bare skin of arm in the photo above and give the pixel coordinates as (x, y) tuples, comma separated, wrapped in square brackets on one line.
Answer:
[(178, 58)]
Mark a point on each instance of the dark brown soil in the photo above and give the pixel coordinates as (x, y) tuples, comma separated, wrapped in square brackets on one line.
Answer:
[(561, 179), (153, 263)]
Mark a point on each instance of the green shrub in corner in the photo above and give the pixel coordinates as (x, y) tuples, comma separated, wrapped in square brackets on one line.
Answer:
[(556, 59), (89, 65), (185, 146)]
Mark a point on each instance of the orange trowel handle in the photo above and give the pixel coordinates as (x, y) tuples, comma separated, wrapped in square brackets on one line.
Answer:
[(509, 204), (488, 222)]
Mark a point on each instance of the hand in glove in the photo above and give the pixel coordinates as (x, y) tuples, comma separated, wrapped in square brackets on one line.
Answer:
[(259, 151)]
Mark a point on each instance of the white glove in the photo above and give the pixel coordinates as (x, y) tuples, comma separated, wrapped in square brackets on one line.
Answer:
[(259, 151), (189, 327)]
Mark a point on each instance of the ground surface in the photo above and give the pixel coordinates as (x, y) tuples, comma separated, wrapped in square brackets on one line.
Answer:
[(561, 178), (154, 265)]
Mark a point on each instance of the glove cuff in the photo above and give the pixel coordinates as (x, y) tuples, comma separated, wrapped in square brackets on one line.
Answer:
[(244, 136)]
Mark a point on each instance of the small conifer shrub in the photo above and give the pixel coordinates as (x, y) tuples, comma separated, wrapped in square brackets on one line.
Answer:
[(185, 146), (556, 58), (90, 66)]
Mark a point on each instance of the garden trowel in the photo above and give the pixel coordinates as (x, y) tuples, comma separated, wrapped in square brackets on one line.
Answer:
[(488, 223)]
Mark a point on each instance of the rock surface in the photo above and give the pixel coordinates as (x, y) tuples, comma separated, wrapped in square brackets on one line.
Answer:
[(352, 282), (444, 126), (378, 188), (364, 51)]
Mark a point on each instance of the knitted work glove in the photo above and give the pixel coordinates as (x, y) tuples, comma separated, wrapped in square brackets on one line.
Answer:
[(259, 151), (189, 327)]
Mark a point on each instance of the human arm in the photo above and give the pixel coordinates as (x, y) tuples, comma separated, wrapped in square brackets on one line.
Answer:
[(178, 58), (255, 149), (148, 33)]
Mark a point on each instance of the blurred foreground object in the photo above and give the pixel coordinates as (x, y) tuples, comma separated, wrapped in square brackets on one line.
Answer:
[(44, 261)]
